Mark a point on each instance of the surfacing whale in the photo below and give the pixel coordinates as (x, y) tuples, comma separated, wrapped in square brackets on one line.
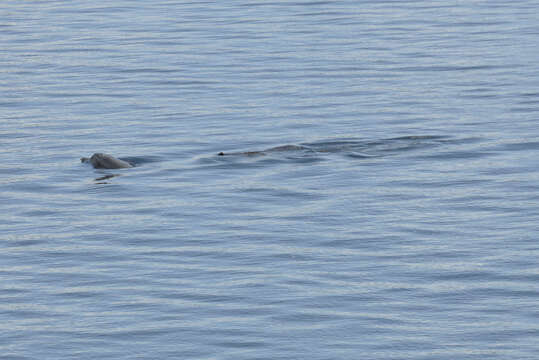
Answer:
[(105, 161)]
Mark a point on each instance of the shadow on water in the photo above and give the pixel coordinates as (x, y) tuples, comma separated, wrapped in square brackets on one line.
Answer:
[(101, 179)]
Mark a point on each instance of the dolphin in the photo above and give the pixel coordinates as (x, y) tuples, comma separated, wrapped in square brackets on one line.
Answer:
[(105, 161)]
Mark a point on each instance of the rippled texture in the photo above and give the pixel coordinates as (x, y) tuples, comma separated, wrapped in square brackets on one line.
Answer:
[(377, 197)]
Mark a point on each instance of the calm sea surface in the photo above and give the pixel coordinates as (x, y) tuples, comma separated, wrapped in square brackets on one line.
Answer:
[(378, 197)]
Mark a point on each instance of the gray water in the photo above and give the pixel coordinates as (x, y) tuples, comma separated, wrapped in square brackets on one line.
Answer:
[(378, 197)]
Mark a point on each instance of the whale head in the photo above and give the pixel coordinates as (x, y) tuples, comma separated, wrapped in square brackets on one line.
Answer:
[(105, 161)]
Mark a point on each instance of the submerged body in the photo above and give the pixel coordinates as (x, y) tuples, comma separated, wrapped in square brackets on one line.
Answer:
[(283, 148), (105, 161), (351, 147)]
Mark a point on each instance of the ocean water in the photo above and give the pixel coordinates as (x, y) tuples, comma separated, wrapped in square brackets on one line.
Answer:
[(378, 197)]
